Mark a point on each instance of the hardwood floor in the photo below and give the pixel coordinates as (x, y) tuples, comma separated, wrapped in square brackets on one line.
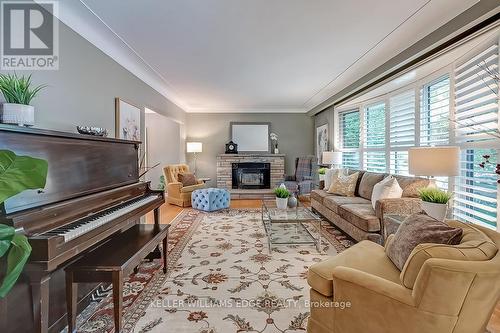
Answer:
[(169, 212)]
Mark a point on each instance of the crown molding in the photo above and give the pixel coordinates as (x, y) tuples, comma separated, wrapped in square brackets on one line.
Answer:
[(81, 19), (264, 109)]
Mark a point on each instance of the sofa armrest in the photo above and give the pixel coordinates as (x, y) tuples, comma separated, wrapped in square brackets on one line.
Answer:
[(345, 278), (399, 206)]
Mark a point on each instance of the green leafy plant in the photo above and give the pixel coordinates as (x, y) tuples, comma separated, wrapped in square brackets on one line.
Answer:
[(18, 89), (322, 171), (17, 173), (281, 192), (161, 186), (434, 195)]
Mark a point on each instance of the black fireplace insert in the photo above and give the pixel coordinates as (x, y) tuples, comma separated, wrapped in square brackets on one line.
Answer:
[(251, 175)]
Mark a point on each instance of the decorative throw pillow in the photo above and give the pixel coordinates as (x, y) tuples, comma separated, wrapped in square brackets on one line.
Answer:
[(187, 178), (419, 229), (388, 188), (344, 185), (330, 174)]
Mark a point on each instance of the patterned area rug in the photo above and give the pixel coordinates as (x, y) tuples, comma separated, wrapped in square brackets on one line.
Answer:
[(221, 278)]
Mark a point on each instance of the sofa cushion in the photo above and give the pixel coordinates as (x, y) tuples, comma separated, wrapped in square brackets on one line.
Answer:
[(411, 185), (335, 201), (319, 195), (343, 185), (369, 180), (361, 215), (419, 229), (361, 173), (365, 256), (474, 246)]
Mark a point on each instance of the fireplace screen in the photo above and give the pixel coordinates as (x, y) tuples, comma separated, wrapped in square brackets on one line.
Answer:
[(251, 175)]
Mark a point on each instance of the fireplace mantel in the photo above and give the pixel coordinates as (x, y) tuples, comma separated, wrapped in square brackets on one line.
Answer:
[(225, 162)]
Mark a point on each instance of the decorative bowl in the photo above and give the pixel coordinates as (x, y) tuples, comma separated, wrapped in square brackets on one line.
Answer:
[(91, 130)]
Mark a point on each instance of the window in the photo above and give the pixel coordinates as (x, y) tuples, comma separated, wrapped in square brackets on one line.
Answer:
[(435, 112), (401, 130), (374, 138), (476, 118), (349, 125), (457, 106)]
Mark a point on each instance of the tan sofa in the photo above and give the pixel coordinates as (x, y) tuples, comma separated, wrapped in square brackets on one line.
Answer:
[(356, 216), (176, 193), (442, 288)]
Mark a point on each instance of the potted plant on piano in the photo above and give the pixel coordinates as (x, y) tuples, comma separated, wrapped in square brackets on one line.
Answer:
[(17, 174), (18, 93)]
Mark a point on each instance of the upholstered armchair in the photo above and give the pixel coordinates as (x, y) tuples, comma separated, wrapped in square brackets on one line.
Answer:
[(176, 193), (302, 181), (442, 288)]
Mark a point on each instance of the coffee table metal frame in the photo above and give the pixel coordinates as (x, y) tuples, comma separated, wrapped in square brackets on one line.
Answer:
[(298, 216)]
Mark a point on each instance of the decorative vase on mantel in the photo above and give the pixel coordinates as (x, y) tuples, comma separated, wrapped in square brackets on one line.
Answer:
[(18, 114)]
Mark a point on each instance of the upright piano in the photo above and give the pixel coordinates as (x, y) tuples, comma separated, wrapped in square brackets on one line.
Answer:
[(93, 193)]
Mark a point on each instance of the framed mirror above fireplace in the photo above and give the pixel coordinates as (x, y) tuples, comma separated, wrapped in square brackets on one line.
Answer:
[(251, 137)]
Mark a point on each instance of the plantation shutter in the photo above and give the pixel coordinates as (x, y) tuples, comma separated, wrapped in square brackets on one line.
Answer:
[(476, 122), (402, 130), (349, 131), (435, 112), (374, 138)]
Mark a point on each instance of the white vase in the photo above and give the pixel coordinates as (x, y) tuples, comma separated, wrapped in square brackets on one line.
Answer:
[(281, 203), (435, 210), (321, 177), (18, 114)]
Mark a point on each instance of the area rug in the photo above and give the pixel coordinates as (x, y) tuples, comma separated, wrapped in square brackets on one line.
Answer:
[(221, 278)]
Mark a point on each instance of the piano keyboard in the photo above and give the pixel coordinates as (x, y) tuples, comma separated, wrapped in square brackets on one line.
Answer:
[(82, 226)]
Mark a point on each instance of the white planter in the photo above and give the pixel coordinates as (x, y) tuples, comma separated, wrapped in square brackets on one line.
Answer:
[(321, 177), (18, 114), (281, 203), (435, 210)]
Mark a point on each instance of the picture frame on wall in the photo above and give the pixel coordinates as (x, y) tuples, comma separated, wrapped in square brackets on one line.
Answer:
[(127, 120), (321, 141)]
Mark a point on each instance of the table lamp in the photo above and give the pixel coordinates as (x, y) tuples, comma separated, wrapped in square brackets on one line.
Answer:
[(434, 162), (332, 158), (194, 147)]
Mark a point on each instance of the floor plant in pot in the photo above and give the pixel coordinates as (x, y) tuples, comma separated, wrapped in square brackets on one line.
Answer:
[(18, 93), (435, 202), (282, 195), (17, 174)]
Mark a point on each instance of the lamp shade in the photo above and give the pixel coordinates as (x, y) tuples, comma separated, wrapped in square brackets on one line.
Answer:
[(194, 147), (331, 157), (434, 161)]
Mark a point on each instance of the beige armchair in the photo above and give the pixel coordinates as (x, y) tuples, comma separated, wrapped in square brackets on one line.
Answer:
[(442, 288), (176, 193)]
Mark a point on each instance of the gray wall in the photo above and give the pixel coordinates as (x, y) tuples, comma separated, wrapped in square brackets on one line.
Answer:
[(295, 132), (82, 91)]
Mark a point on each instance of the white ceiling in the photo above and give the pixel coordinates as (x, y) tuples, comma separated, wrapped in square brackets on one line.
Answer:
[(258, 55)]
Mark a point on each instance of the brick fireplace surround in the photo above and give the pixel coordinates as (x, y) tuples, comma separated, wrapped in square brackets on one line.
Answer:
[(225, 162)]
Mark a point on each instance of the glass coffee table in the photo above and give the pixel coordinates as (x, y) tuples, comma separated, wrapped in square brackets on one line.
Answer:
[(290, 226)]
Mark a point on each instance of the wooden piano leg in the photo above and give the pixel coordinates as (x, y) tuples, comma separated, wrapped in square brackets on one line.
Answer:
[(118, 299), (165, 248), (40, 302), (71, 295), (157, 215)]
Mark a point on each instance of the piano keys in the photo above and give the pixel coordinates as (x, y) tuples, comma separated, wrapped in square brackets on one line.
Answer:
[(93, 193)]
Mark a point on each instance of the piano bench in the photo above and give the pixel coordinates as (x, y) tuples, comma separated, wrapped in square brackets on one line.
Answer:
[(113, 261)]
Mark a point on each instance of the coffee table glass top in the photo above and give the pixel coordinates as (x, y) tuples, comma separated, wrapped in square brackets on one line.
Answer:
[(288, 215), (290, 226)]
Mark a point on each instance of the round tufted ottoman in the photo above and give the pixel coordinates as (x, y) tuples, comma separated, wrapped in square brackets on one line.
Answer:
[(210, 199)]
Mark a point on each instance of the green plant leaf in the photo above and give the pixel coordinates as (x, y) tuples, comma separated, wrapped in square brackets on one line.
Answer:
[(16, 259), (19, 173), (6, 234)]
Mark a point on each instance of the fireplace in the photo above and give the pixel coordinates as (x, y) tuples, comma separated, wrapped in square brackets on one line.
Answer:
[(251, 175)]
